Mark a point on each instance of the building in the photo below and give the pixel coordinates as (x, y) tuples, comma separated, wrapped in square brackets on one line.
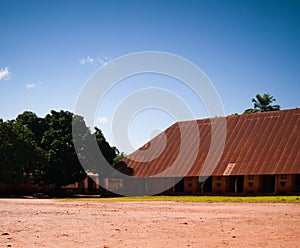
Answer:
[(89, 185), (261, 156)]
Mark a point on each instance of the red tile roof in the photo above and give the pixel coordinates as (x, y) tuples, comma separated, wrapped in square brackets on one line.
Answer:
[(256, 144)]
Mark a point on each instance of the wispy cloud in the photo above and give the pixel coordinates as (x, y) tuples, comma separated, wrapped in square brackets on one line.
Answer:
[(103, 60), (102, 119), (31, 86), (100, 60), (4, 73), (86, 60)]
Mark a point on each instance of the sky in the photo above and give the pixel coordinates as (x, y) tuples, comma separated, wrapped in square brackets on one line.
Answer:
[(49, 50)]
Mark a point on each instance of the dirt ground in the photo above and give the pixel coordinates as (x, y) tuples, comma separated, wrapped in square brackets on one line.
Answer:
[(50, 223)]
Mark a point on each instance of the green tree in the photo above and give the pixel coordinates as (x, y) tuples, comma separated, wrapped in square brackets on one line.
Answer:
[(20, 157), (250, 111), (42, 149), (108, 152), (63, 166), (89, 153), (36, 124), (262, 103), (123, 168), (119, 157)]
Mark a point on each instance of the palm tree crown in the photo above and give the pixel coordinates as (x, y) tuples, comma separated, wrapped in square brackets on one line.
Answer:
[(262, 103)]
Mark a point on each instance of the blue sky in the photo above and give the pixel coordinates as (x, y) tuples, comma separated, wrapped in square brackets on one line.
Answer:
[(48, 50)]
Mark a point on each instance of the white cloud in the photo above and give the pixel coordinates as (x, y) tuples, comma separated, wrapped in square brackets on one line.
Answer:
[(31, 86), (103, 60), (102, 119), (86, 60), (4, 73)]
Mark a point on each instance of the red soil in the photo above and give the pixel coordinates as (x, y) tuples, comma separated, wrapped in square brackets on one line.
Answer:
[(50, 223)]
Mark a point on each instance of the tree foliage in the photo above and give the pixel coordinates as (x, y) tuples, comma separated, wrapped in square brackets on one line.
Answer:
[(42, 149), (20, 157), (262, 103), (36, 124), (108, 152), (119, 157), (63, 166)]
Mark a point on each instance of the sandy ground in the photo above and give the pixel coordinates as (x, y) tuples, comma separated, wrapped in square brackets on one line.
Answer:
[(50, 223)]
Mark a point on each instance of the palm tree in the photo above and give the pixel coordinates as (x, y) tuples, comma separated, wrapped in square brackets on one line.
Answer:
[(262, 103)]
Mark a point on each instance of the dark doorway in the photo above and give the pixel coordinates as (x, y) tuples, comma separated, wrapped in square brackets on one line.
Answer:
[(207, 186), (179, 187), (240, 184), (91, 185), (268, 184), (81, 186), (235, 184), (230, 184), (297, 183)]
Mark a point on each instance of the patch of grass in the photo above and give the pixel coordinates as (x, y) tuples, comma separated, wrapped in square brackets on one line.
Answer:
[(246, 199)]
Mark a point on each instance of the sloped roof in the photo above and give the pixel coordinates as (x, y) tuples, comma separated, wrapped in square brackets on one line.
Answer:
[(255, 144)]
